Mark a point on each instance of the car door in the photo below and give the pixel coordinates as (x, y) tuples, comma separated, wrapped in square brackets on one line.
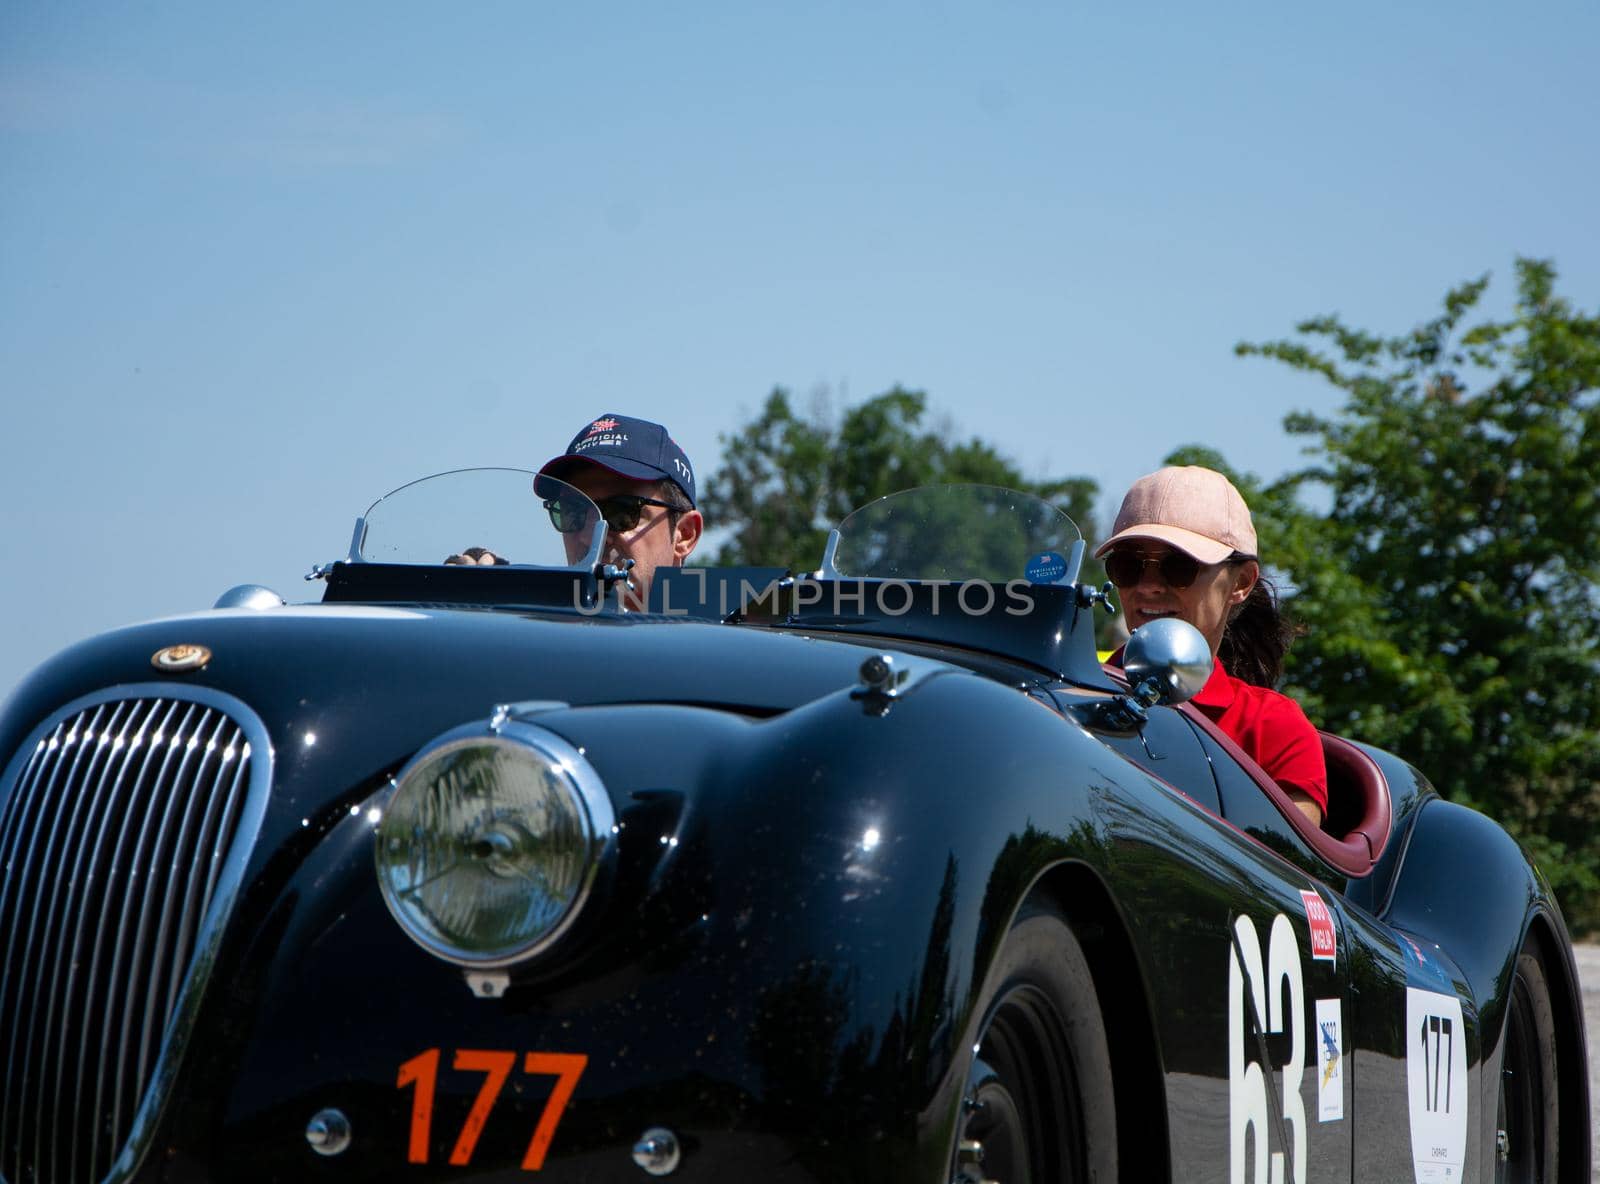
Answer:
[(1408, 1029), (1242, 803), (1248, 965)]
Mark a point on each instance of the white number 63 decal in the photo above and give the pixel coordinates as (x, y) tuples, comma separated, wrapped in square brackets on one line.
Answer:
[(1247, 1087)]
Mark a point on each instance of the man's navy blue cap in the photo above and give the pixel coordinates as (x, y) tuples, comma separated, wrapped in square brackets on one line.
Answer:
[(632, 447)]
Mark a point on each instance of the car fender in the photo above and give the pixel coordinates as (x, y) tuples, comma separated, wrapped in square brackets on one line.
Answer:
[(1466, 884)]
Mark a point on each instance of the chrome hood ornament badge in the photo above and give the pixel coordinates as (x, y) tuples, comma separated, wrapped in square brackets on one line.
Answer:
[(177, 659)]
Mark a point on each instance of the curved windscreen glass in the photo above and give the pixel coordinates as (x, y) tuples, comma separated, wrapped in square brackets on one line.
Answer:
[(957, 532), (517, 515)]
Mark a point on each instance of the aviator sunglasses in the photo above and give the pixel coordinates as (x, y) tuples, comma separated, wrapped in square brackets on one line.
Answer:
[(1126, 568), (570, 514)]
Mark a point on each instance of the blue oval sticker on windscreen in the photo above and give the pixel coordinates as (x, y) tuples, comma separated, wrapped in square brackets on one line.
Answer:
[(1045, 568)]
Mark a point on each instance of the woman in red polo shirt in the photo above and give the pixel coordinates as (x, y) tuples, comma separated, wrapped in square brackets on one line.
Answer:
[(1184, 546)]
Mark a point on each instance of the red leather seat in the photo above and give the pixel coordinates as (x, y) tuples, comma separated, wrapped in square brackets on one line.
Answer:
[(1358, 795), (1357, 823)]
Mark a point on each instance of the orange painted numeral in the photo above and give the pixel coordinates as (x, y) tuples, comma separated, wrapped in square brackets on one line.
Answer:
[(566, 1067), (422, 1071), (496, 1067)]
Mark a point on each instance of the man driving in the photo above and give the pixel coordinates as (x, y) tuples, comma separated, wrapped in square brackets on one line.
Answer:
[(641, 480)]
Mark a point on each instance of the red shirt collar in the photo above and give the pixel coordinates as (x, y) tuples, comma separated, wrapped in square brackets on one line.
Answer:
[(1219, 691)]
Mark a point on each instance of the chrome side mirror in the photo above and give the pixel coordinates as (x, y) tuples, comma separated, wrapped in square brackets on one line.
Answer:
[(1167, 662)]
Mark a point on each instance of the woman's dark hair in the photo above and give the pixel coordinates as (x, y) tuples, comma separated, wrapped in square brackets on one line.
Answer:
[(1257, 635)]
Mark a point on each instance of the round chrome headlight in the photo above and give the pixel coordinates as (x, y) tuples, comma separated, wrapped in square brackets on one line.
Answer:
[(491, 841)]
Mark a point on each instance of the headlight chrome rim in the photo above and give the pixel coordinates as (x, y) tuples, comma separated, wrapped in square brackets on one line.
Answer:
[(594, 813)]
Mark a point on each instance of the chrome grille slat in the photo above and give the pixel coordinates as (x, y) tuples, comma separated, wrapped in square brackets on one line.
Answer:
[(21, 973), (85, 1119), (90, 1116), (221, 805), (124, 829), (77, 903), (88, 740), (163, 975), (10, 836), (90, 880), (235, 806), (130, 941), (10, 844)]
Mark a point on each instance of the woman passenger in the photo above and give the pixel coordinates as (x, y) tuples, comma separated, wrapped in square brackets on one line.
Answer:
[(1184, 546)]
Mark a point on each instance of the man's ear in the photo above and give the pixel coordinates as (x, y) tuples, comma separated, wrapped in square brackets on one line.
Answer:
[(690, 525)]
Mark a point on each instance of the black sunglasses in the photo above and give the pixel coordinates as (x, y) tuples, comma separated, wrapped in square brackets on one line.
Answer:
[(570, 514), (1126, 568)]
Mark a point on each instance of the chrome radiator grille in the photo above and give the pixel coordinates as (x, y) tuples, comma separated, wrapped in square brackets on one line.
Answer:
[(116, 830)]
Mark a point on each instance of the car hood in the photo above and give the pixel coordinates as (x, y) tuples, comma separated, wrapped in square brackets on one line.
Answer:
[(347, 694), (365, 686), (444, 665)]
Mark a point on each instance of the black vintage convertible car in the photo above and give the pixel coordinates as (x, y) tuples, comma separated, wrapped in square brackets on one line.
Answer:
[(873, 874)]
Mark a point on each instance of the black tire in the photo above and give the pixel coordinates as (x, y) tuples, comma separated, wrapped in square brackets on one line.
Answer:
[(1038, 1105), (1529, 1112)]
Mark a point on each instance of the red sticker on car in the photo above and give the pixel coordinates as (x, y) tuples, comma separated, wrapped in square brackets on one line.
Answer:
[(1324, 943)]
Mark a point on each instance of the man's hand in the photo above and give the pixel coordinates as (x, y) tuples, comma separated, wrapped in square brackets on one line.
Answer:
[(479, 556)]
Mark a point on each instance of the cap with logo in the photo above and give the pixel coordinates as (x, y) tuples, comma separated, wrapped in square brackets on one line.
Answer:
[(1193, 509), (634, 448)]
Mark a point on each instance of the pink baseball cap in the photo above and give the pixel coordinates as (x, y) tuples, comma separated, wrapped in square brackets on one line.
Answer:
[(1196, 510)]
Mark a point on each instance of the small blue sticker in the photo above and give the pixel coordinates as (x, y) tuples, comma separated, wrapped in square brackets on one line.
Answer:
[(1045, 568), (1429, 967)]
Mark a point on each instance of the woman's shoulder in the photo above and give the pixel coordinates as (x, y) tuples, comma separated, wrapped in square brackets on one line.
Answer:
[(1273, 702)]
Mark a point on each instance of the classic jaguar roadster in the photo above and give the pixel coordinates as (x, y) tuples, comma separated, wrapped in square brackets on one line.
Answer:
[(870, 874)]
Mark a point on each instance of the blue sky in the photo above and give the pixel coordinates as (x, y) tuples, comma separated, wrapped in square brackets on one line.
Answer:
[(259, 265)]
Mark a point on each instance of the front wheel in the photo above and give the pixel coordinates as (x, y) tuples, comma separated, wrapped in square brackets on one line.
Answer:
[(1527, 1141), (1038, 1105)]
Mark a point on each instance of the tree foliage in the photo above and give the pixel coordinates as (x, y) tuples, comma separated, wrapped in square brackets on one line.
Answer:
[(786, 478), (1452, 588)]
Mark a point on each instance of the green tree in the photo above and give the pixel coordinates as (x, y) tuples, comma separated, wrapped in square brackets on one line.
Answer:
[(785, 479), (1452, 589)]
